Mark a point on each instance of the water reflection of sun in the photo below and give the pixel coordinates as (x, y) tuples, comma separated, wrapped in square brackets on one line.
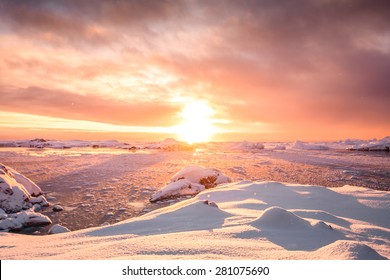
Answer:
[(198, 124)]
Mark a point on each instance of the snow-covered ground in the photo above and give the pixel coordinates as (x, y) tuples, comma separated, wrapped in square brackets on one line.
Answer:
[(244, 220), (98, 184)]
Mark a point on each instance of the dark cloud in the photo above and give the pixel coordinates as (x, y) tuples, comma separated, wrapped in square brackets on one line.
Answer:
[(81, 22), (57, 103)]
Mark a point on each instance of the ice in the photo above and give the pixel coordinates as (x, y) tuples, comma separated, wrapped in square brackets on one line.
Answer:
[(299, 145), (246, 146), (374, 145)]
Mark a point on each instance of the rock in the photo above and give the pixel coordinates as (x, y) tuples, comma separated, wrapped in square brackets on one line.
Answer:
[(39, 200), (58, 229), (3, 215), (37, 207), (16, 190), (57, 208)]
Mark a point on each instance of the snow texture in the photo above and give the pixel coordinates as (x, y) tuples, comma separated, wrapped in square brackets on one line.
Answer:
[(252, 220)]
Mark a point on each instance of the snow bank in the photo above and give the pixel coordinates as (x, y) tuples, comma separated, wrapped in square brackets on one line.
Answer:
[(18, 193), (170, 144), (375, 145), (190, 181), (243, 220), (299, 145)]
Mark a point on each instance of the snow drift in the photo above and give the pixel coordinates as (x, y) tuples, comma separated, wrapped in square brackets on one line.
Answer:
[(243, 220)]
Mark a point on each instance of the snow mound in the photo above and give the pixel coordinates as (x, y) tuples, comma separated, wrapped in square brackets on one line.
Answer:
[(191, 180), (375, 145), (58, 229), (350, 250), (299, 145), (185, 216), (170, 144), (279, 218)]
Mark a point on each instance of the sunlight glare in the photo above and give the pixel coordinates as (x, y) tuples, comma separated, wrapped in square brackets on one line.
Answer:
[(197, 125)]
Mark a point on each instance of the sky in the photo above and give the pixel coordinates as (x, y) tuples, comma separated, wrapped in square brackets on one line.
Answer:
[(264, 70)]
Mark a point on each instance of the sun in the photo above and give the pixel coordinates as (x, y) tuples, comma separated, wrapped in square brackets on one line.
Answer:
[(197, 123)]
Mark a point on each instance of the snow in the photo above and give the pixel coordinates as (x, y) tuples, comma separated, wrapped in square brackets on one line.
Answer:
[(181, 187), (170, 144), (299, 145), (58, 229), (373, 145), (246, 146), (27, 218), (189, 181), (252, 220), (16, 196)]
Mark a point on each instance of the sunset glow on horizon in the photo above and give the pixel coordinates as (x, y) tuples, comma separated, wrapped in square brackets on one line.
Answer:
[(197, 71)]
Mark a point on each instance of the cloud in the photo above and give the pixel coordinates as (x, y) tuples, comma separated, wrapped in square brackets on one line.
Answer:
[(57, 103), (287, 63)]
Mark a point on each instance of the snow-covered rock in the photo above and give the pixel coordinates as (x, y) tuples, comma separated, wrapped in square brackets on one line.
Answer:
[(299, 145), (58, 229), (22, 219), (16, 191), (17, 195), (180, 187), (41, 200), (191, 180), (170, 144)]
